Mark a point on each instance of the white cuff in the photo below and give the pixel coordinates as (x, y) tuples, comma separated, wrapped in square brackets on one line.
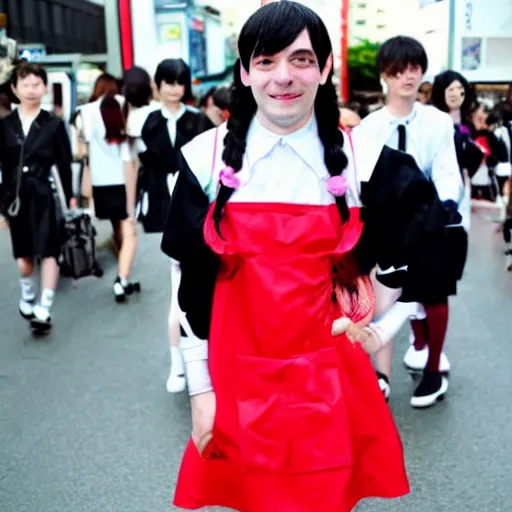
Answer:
[(388, 324), (390, 270), (195, 356)]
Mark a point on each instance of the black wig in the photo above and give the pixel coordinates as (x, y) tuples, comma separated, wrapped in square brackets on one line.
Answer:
[(271, 29), (137, 87), (175, 71), (399, 52), (441, 83)]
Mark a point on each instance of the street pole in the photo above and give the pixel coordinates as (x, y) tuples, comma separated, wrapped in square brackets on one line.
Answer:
[(344, 92), (451, 43)]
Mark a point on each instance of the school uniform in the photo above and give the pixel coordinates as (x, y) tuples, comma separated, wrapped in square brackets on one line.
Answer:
[(427, 134), (105, 163), (262, 293), (35, 230), (161, 137)]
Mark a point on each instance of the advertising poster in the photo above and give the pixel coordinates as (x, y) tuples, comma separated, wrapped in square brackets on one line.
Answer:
[(471, 53)]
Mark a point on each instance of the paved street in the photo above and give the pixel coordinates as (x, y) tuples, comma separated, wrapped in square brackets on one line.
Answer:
[(86, 424)]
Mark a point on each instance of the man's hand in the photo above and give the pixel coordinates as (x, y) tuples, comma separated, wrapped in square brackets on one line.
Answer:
[(365, 336), (203, 416)]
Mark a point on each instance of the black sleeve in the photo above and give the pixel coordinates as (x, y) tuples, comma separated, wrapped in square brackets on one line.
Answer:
[(183, 240), (63, 159), (204, 123), (400, 204), (501, 150), (471, 157)]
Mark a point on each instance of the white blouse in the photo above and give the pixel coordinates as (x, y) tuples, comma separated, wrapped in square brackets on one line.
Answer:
[(105, 160)]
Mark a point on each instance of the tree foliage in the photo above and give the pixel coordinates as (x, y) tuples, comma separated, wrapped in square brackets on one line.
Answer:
[(362, 66)]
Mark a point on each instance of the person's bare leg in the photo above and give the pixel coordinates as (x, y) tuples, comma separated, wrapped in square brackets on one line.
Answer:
[(49, 274), (383, 359), (117, 237), (128, 248), (25, 266)]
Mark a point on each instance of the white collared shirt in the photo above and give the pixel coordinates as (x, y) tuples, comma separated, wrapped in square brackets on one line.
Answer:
[(281, 168), (430, 140), (26, 122), (284, 168)]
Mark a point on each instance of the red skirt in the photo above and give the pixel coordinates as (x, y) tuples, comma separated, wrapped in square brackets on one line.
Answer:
[(301, 423)]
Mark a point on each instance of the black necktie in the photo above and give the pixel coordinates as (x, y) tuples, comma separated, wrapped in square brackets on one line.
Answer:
[(402, 138)]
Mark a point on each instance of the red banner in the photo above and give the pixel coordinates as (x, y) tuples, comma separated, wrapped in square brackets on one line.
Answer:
[(126, 34)]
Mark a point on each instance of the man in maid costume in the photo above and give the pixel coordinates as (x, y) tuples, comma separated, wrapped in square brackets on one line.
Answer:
[(425, 133), (286, 411), (32, 141)]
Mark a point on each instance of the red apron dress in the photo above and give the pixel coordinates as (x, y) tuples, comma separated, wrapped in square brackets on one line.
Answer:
[(301, 423)]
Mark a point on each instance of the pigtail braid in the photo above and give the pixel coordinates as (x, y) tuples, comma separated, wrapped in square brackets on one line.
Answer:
[(327, 115), (243, 110)]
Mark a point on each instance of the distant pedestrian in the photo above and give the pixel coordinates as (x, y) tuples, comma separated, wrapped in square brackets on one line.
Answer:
[(32, 141), (163, 133)]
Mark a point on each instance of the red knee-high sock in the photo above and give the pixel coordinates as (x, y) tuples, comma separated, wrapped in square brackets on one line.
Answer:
[(421, 334), (437, 320)]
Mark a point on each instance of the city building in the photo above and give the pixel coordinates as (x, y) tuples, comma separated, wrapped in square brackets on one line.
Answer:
[(368, 19), (473, 37), (56, 26), (378, 20)]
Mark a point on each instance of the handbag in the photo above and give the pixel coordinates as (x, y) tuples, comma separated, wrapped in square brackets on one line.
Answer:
[(14, 208), (78, 248)]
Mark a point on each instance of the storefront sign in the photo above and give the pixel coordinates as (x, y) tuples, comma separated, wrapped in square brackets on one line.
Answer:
[(170, 32), (468, 15)]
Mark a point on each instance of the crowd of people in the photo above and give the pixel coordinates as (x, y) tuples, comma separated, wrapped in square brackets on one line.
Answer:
[(300, 240), (487, 123)]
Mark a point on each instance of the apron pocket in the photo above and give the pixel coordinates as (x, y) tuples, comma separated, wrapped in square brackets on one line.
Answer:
[(292, 414)]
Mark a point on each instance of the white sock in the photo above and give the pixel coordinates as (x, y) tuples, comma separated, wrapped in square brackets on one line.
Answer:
[(28, 293), (123, 281), (47, 298), (176, 361)]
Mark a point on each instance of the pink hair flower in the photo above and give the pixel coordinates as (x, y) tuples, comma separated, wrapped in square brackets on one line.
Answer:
[(337, 185), (229, 178)]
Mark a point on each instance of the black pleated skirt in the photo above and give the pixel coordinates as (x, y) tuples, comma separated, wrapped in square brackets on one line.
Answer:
[(436, 266), (110, 202), (37, 229)]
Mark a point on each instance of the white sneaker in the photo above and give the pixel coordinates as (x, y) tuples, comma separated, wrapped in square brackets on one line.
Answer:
[(26, 309), (42, 320), (176, 383), (416, 360)]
